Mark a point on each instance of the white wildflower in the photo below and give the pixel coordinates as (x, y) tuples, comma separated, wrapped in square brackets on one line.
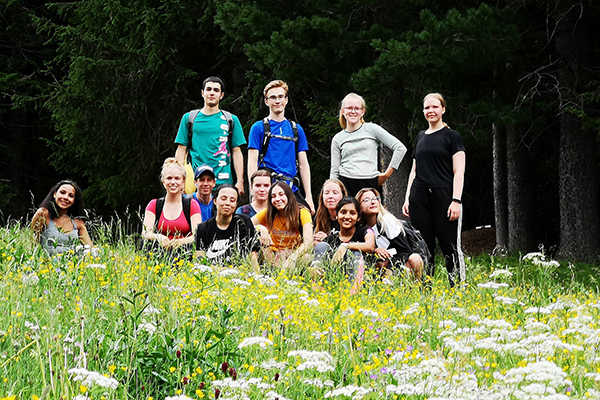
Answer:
[(179, 397), (272, 364), (240, 282), (318, 365), (96, 266), (348, 311), (201, 268), (291, 282), (447, 324), (593, 375), (356, 392), (312, 302), (228, 272), (90, 378), (402, 327), (271, 297), (151, 310), (492, 285), (147, 327), (242, 384), (32, 326), (413, 308), (501, 273), (259, 340), (81, 397), (506, 300), (271, 395), (368, 313), (30, 279), (538, 310), (318, 382)]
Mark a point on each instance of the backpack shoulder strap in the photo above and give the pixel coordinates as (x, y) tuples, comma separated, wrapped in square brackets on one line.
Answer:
[(186, 203), (158, 210), (229, 117), (296, 139), (266, 140), (190, 125)]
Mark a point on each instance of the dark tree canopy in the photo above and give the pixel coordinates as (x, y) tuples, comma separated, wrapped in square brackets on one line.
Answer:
[(94, 90)]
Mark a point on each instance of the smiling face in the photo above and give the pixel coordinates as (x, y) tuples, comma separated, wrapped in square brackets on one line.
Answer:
[(278, 198), (433, 110), (332, 194), (353, 110), (347, 216), (212, 94), (276, 99), (173, 179), (64, 197), (260, 187), (226, 201), (205, 184), (369, 203)]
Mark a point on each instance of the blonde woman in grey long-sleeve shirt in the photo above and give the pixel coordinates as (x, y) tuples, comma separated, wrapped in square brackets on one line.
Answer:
[(354, 149)]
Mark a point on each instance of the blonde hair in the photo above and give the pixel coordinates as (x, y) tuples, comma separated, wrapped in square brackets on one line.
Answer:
[(342, 119), (171, 162), (384, 217), (275, 84), (438, 96)]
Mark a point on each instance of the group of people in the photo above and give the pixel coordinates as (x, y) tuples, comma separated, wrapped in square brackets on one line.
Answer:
[(205, 180)]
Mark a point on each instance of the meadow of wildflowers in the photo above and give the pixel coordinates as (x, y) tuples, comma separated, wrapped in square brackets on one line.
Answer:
[(126, 324)]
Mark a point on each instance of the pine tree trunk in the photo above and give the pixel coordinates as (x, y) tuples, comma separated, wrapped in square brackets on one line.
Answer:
[(520, 234), (394, 188), (500, 189), (578, 169)]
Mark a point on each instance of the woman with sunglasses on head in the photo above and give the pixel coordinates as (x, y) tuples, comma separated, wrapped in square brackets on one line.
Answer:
[(398, 245), (354, 149), (57, 224), (349, 243), (326, 217), (285, 228), (435, 185), (171, 221)]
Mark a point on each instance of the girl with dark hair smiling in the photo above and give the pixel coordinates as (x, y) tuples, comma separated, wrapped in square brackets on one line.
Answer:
[(285, 227), (57, 224)]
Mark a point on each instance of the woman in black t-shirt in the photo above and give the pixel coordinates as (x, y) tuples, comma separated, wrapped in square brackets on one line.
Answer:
[(227, 232), (349, 242), (435, 185)]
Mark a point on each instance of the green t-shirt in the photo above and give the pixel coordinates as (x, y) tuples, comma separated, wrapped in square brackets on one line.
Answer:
[(209, 142)]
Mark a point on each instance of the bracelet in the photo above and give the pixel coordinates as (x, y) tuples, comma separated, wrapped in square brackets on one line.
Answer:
[(457, 201)]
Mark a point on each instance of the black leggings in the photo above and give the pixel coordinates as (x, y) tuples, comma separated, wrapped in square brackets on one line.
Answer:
[(353, 185), (428, 208)]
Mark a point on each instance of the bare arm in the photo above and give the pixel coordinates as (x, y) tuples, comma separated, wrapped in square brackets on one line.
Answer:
[(305, 176), (238, 165), (458, 168), (195, 220), (181, 154), (335, 160), (39, 222), (411, 178), (148, 228), (252, 162), (367, 246), (84, 236)]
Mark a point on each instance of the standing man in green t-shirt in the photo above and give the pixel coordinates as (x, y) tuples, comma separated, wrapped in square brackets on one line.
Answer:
[(210, 142)]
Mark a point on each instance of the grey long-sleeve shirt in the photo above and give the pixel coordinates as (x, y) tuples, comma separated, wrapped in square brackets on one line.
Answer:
[(354, 154)]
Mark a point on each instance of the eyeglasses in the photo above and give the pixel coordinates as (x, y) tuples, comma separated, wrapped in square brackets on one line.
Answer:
[(367, 200), (279, 97), (354, 109)]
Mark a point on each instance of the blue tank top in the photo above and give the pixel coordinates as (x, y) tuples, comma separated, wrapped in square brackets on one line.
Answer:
[(55, 241)]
